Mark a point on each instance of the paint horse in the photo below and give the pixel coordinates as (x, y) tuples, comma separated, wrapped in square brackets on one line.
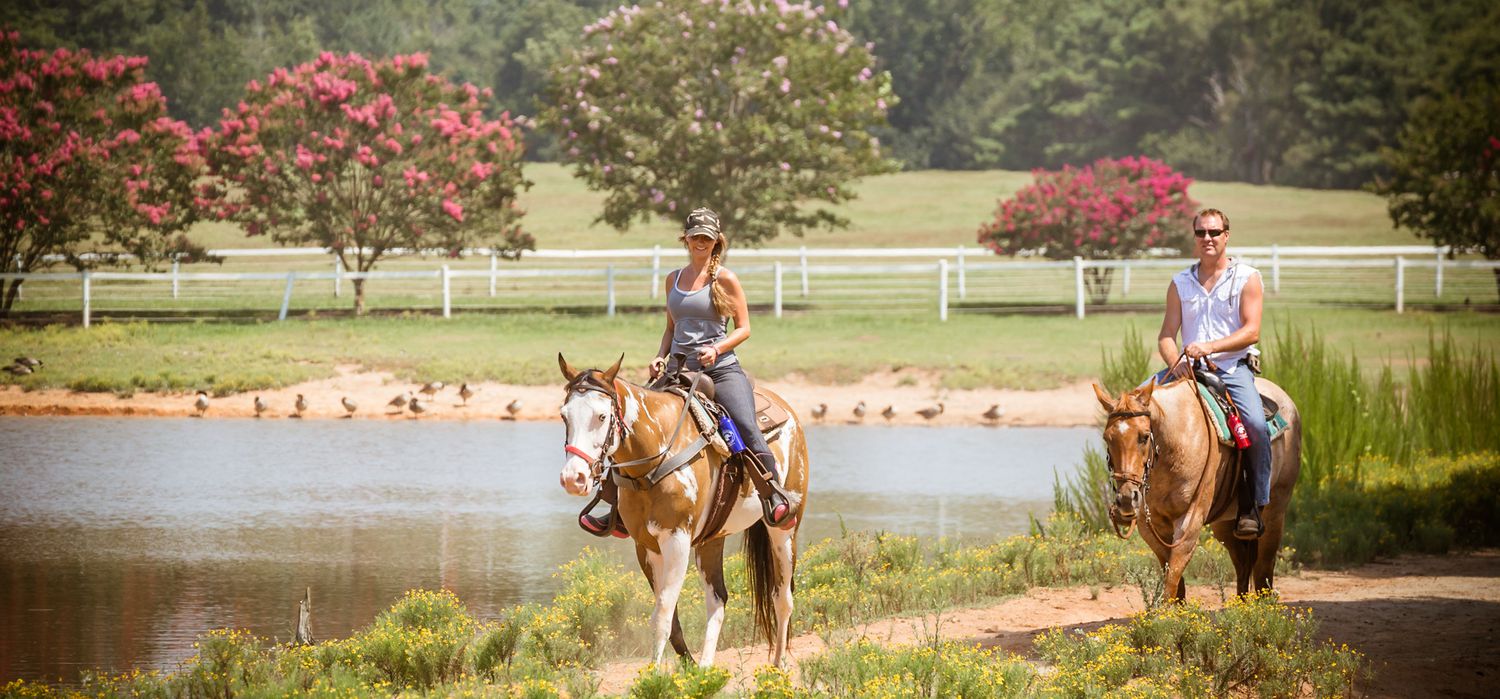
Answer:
[(1167, 460), (637, 429)]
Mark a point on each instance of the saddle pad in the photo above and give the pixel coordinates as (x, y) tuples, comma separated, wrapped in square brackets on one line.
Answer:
[(1275, 423), (768, 415)]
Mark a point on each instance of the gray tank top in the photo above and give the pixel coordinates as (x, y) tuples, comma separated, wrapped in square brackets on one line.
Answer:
[(695, 324)]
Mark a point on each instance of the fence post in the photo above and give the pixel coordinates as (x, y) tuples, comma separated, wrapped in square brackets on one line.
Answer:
[(447, 293), (494, 269), (943, 290), (963, 288), (803, 256), (176, 266), (655, 271), (87, 297), (286, 296), (338, 276), (1400, 284), (1438, 290), (1275, 269), (20, 283), (1078, 285), (776, 266), (609, 288), (1125, 290)]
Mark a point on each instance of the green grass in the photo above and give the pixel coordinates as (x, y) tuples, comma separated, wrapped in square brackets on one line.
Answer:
[(936, 208), (969, 351)]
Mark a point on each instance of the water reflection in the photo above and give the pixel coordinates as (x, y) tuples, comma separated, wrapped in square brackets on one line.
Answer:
[(122, 540)]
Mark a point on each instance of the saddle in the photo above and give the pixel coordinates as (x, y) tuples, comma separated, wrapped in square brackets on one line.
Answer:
[(768, 415), (1214, 394)]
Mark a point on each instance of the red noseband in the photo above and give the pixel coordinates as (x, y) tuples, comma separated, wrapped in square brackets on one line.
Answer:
[(575, 451)]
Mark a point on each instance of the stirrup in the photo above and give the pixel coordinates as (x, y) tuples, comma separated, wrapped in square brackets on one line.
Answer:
[(609, 526), (776, 511), (1244, 533)]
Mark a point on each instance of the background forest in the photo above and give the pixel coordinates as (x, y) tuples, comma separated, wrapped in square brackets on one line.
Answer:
[(1302, 93)]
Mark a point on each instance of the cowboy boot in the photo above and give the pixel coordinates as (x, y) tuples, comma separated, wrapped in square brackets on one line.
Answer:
[(1249, 527), (610, 524), (775, 503)]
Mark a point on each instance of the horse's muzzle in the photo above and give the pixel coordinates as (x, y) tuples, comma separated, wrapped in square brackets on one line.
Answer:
[(1125, 505), (576, 483)]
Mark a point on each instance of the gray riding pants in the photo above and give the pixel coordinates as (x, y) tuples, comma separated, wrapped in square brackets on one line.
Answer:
[(732, 390)]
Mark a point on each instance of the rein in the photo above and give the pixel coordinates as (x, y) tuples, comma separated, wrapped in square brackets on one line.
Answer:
[(586, 381), (1197, 490)]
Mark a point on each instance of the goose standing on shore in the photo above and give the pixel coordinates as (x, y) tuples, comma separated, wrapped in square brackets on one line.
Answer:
[(859, 410), (399, 402), (260, 406), (820, 411), (514, 408), (994, 413), (201, 404), (416, 407), (465, 393), (349, 406), (931, 412), (300, 405), (889, 412), (430, 389)]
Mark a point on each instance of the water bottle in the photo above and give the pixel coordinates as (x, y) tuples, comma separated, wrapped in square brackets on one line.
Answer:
[(731, 435), (1237, 428)]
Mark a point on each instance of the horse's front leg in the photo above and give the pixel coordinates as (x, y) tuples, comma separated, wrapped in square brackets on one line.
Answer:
[(644, 556), (670, 567), (710, 558)]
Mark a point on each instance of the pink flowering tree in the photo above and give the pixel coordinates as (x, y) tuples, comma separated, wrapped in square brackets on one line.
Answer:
[(1109, 209), (760, 111), (90, 164), (368, 158)]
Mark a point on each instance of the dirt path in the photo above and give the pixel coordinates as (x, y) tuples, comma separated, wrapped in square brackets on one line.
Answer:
[(1430, 625), (907, 393)]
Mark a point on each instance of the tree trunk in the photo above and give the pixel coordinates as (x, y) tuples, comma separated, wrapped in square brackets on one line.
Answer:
[(10, 293), (1096, 280), (359, 297)]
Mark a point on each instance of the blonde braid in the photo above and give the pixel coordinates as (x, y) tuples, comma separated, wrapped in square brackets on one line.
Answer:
[(718, 296)]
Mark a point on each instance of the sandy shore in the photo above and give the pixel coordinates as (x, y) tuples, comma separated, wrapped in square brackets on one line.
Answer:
[(1062, 407)]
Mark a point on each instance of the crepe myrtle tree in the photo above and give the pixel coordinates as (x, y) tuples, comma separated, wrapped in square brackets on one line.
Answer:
[(1444, 175), (367, 157), (91, 166), (1108, 209), (755, 109)]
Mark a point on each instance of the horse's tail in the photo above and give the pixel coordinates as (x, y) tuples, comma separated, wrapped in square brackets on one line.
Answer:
[(760, 571)]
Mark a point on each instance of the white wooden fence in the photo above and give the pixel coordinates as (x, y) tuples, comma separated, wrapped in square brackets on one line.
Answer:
[(863, 285)]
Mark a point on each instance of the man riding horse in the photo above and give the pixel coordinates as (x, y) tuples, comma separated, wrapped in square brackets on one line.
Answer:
[(1216, 304)]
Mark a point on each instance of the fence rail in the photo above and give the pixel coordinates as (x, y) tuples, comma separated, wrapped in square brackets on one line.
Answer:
[(956, 284)]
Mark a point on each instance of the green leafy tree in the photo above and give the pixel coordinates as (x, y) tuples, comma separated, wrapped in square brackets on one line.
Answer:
[(1107, 209), (1444, 181), (754, 111), (366, 158), (90, 164)]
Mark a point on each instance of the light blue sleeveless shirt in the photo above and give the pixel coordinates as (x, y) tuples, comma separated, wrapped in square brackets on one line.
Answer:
[(695, 324), (1210, 314)]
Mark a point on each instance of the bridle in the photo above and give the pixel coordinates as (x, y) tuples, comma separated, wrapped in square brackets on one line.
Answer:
[(1119, 477), (587, 381)]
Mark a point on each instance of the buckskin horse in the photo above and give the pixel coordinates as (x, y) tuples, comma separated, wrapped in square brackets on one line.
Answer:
[(1167, 460), (639, 430)]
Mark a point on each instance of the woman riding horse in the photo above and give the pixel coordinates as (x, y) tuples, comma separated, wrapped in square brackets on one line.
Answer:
[(702, 298)]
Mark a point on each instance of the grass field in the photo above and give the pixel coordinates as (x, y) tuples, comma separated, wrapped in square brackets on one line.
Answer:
[(969, 351), (937, 208)]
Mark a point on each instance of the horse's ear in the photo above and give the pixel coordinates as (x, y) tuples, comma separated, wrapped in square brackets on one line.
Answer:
[(609, 376), (567, 371), (1145, 394), (1104, 399)]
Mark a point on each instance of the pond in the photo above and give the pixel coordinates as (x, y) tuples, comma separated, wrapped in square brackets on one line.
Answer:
[(123, 539)]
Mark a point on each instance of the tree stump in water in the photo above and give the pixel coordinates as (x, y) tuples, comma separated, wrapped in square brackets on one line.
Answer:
[(304, 620)]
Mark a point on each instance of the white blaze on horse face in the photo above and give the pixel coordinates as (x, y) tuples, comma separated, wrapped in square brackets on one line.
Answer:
[(586, 414)]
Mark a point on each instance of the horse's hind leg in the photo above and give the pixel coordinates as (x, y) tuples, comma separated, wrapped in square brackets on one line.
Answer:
[(659, 569), (1241, 553), (710, 556), (783, 547)]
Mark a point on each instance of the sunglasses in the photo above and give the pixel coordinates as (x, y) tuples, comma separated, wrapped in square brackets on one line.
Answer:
[(1209, 232)]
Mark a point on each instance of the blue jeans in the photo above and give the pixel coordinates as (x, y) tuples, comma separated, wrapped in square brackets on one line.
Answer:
[(1241, 385)]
